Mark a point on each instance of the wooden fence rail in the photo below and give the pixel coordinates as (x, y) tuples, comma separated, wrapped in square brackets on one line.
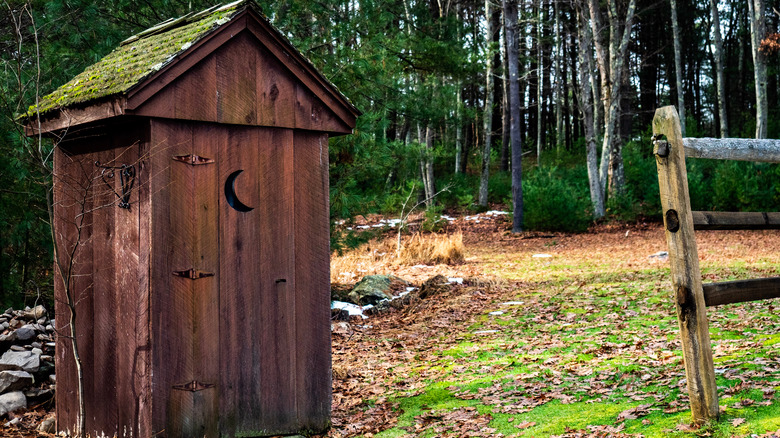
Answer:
[(691, 296)]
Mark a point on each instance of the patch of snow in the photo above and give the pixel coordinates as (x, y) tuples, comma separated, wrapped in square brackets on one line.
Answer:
[(353, 309), (497, 312), (496, 213), (661, 255), (541, 256), (420, 266), (455, 280), (485, 332), (409, 289), (512, 303)]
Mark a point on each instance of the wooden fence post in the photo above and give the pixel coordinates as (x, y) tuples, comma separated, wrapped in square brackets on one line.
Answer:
[(684, 260)]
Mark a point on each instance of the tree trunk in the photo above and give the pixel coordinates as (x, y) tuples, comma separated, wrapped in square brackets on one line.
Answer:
[(757, 30), (510, 21), (558, 97), (721, 77), (586, 107), (539, 84), (678, 66), (488, 113)]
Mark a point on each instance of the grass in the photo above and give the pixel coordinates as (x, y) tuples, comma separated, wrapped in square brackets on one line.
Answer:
[(587, 347)]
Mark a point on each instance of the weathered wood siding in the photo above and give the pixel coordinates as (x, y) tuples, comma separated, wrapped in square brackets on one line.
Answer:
[(243, 83), (112, 309)]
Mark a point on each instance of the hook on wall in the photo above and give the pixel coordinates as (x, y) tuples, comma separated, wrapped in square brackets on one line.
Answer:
[(126, 181)]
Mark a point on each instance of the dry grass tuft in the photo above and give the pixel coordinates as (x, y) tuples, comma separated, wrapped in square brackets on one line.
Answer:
[(377, 257), (432, 249)]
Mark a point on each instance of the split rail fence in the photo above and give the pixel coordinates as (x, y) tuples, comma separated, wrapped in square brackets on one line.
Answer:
[(691, 296)]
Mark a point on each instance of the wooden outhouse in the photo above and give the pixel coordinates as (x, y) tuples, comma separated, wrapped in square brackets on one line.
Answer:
[(191, 195)]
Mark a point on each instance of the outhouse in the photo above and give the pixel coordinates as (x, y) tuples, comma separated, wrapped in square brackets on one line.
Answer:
[(191, 189)]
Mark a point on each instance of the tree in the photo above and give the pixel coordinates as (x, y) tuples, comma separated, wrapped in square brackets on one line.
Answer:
[(510, 23), (586, 99), (488, 113), (720, 75), (611, 72), (678, 66), (757, 32)]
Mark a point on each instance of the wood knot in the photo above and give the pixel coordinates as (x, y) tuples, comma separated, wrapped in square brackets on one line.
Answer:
[(274, 93)]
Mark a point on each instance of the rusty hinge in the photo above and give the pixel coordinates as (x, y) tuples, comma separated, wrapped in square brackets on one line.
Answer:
[(193, 386), (193, 159), (193, 274)]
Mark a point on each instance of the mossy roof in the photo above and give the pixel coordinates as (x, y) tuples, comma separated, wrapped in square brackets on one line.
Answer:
[(139, 57)]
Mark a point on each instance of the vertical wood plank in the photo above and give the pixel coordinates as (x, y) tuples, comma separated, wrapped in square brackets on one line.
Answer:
[(140, 371), (129, 307), (105, 237), (74, 179), (195, 94), (240, 284), (275, 375), (205, 256), (312, 280), (276, 92), (237, 82), (686, 274), (170, 296)]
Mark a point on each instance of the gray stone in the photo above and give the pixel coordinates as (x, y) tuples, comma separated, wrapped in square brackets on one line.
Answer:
[(14, 380), (20, 360), (375, 288), (13, 422), (47, 425), (49, 328), (9, 337), (47, 358), (53, 378), (12, 401), (37, 351), (17, 348), (42, 321), (36, 345)]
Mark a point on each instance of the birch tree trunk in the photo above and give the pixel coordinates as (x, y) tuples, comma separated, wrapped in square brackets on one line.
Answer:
[(488, 113), (510, 22), (611, 71), (587, 89), (757, 30), (560, 136), (721, 77), (678, 66), (539, 72), (431, 185)]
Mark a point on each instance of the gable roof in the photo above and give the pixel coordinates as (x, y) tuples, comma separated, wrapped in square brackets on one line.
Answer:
[(146, 55)]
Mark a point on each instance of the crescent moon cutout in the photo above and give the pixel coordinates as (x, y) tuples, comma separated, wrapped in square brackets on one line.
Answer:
[(230, 193)]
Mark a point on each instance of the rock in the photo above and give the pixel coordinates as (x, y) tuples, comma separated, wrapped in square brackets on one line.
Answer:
[(20, 360), (14, 380), (375, 288), (47, 425), (25, 333), (41, 321), (340, 328), (53, 378), (10, 337), (37, 351), (36, 345), (434, 286), (12, 401), (17, 348), (38, 395), (13, 422), (49, 328)]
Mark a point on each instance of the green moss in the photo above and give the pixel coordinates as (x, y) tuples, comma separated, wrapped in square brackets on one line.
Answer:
[(129, 64)]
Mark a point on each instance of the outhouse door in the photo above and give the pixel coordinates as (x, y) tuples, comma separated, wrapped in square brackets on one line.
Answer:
[(227, 328)]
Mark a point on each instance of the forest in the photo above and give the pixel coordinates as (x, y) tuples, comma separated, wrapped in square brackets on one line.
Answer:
[(438, 83)]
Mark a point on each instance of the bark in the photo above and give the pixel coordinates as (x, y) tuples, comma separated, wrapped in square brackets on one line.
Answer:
[(611, 71), (488, 113), (587, 107), (757, 30), (510, 21), (559, 98), (721, 77), (678, 66), (458, 130), (539, 85)]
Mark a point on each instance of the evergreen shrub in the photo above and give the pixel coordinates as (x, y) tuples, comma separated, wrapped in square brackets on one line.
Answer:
[(556, 199)]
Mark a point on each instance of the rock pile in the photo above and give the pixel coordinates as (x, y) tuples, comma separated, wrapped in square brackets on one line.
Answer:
[(27, 363)]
